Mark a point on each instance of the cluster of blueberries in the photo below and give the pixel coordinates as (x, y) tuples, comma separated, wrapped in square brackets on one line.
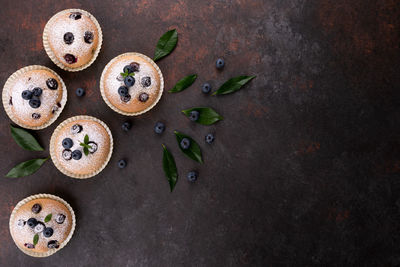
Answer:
[(67, 143), (33, 96), (40, 227), (129, 81)]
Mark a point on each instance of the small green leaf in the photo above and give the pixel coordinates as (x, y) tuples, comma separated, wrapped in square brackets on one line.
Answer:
[(169, 167), (131, 74), (184, 83), (193, 151), (166, 44), (48, 218), (86, 139), (207, 116), (232, 85), (25, 140), (35, 239), (26, 168), (86, 151)]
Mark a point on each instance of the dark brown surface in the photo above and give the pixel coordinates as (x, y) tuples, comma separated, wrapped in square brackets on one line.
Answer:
[(304, 169)]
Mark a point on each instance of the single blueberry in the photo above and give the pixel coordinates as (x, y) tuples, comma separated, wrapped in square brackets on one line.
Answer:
[(88, 37), (135, 66), (36, 208), (39, 227), (143, 97), (52, 83), (76, 128), (53, 244), (48, 232), (146, 81), (220, 63), (209, 138), (26, 94), (192, 176), (123, 91), (34, 103), (76, 154), (159, 127), (37, 91), (60, 218), (68, 38), (185, 143), (121, 163), (129, 81), (128, 68), (67, 154), (70, 59), (93, 147), (75, 15), (67, 143), (29, 245), (36, 116), (206, 88), (32, 222), (125, 98), (126, 126), (80, 92), (194, 115), (21, 223)]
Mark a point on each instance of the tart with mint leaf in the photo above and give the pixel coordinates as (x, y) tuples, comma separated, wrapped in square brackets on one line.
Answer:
[(42, 224), (81, 146), (131, 84)]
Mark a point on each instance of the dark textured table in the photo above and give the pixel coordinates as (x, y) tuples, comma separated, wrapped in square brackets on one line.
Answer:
[(305, 166)]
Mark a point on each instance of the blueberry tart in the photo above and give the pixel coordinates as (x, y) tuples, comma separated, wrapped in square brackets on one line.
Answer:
[(131, 84), (72, 39), (34, 97), (81, 146), (42, 224)]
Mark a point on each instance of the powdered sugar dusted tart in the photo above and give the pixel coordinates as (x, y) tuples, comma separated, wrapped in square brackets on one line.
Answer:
[(72, 38), (81, 146), (34, 96), (42, 224), (131, 84)]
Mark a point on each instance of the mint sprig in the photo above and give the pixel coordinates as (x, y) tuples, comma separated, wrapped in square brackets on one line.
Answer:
[(126, 74), (85, 145)]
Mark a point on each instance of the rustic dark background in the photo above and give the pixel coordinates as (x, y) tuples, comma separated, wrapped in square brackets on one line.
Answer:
[(304, 169)]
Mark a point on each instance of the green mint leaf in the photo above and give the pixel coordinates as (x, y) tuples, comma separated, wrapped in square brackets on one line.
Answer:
[(169, 167), (48, 218), (207, 116), (193, 151), (86, 151), (25, 140), (166, 44), (233, 85), (131, 74), (26, 168), (35, 239), (86, 139), (184, 83)]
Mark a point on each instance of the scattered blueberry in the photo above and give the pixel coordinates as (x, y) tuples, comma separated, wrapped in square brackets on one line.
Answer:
[(159, 127), (129, 81), (192, 176), (93, 147), (76, 154), (60, 218), (220, 63), (126, 98), (76, 128), (32, 222), (128, 68), (53, 244), (39, 227), (135, 66), (88, 37), (75, 15), (80, 92), (206, 88), (120, 78), (123, 91), (36, 208), (69, 38), (26, 94), (21, 223), (67, 154), (143, 97), (29, 245), (67, 143), (121, 163), (146, 81), (52, 83), (36, 116), (70, 59), (185, 143), (126, 126), (48, 232), (37, 91), (194, 115), (209, 138), (34, 103)]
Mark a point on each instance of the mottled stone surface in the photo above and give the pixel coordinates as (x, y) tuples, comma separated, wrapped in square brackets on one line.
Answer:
[(305, 167)]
